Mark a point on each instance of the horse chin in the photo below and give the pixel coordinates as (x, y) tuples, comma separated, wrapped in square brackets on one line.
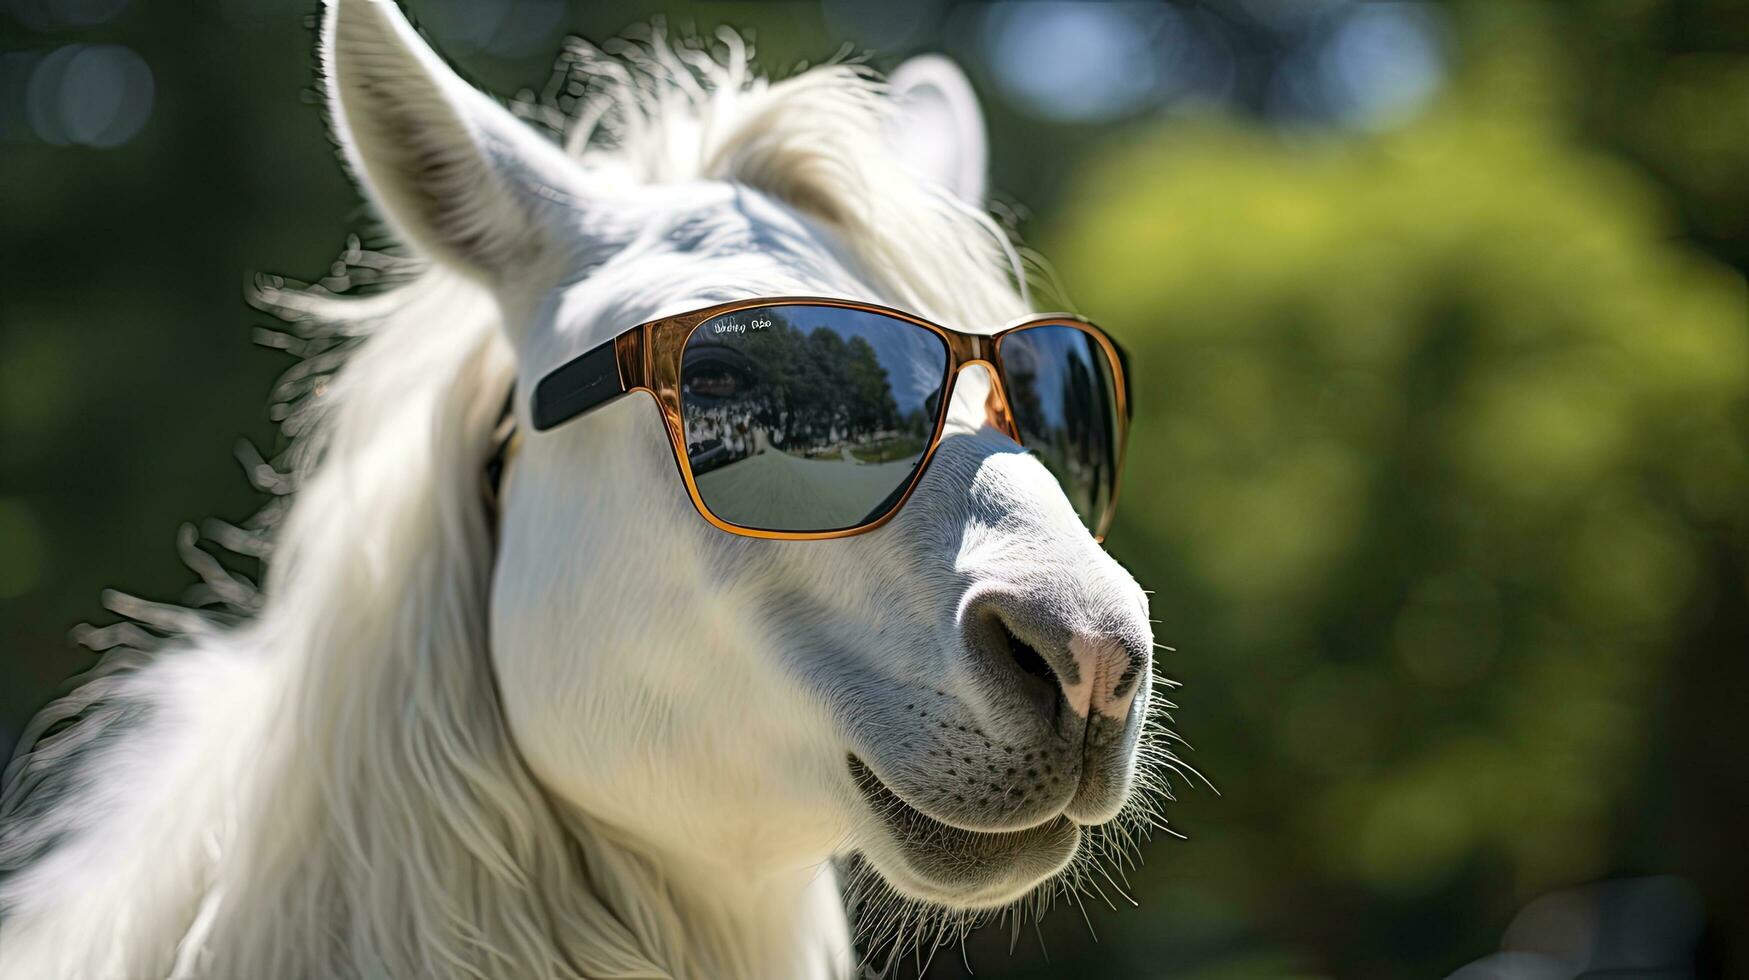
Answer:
[(939, 863)]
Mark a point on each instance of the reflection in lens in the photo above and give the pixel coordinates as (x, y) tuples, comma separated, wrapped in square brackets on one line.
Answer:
[(1064, 400), (808, 418)]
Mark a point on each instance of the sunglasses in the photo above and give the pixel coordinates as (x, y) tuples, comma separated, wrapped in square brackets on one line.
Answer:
[(808, 419)]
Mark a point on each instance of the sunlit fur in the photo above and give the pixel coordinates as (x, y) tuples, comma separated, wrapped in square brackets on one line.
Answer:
[(602, 738)]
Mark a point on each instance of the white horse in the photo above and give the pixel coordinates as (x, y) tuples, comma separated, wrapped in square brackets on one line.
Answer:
[(582, 732)]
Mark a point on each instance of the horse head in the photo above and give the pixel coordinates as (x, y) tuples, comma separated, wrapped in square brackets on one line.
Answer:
[(958, 695)]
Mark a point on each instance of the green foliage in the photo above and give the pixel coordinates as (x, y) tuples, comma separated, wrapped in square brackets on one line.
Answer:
[(1434, 432)]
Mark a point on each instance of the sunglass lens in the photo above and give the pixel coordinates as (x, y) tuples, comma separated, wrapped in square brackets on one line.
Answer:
[(1064, 400), (808, 418)]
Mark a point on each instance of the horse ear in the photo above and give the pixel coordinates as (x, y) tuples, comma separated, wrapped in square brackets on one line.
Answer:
[(462, 179), (937, 127)]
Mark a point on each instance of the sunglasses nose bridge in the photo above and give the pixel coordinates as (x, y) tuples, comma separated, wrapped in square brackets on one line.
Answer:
[(996, 411)]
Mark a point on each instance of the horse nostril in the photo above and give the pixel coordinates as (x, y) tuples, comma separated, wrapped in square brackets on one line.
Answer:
[(1026, 658), (1024, 662), (1055, 665)]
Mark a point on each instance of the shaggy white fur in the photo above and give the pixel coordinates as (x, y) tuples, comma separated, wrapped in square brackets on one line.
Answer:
[(607, 741)]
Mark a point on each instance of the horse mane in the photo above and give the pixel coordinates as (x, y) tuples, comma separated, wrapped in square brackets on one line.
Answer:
[(248, 775)]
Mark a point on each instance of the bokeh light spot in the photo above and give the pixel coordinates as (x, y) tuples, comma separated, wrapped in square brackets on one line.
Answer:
[(1079, 62), (1383, 63), (89, 95)]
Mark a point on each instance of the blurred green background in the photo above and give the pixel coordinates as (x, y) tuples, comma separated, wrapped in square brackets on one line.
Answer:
[(1440, 475)]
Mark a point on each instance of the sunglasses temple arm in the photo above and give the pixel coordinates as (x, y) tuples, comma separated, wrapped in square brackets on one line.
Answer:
[(586, 382)]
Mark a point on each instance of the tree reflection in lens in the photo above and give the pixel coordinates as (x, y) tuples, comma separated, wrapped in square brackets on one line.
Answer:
[(1063, 398), (804, 418)]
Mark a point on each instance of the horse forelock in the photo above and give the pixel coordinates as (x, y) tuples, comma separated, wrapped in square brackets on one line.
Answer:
[(656, 112)]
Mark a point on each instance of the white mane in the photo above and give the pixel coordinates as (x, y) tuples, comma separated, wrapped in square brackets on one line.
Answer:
[(326, 757)]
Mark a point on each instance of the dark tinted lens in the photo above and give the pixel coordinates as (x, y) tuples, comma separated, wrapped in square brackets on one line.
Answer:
[(808, 418), (1065, 404)]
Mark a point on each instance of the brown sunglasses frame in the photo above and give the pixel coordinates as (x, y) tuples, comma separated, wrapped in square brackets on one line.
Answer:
[(649, 356)]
